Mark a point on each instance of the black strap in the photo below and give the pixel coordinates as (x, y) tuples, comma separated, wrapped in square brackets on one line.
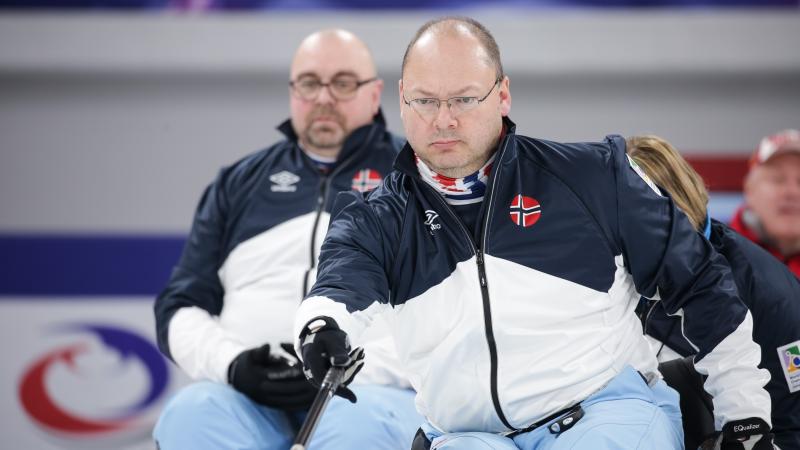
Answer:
[(575, 411), (568, 418)]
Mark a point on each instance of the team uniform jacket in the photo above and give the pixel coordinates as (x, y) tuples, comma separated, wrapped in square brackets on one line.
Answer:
[(772, 294), (253, 248), (535, 312)]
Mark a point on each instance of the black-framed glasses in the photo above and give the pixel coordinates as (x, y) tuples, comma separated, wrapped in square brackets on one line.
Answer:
[(341, 87), (428, 107)]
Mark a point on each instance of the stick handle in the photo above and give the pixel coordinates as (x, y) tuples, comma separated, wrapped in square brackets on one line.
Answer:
[(329, 386)]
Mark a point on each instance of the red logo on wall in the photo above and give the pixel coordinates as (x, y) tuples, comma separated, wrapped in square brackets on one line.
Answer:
[(525, 211), (36, 396), (366, 180)]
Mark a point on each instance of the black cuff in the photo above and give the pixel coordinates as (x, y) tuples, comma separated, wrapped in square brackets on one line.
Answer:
[(314, 326)]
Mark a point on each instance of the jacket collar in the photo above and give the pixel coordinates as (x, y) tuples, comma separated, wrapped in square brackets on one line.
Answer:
[(406, 163)]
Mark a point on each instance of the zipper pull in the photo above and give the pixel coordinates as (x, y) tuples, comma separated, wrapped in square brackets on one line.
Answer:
[(481, 274), (322, 190)]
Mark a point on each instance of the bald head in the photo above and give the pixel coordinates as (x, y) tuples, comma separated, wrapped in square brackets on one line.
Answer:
[(332, 49), (464, 29)]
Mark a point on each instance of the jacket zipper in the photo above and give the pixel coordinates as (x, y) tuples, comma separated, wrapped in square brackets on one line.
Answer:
[(487, 316), (487, 310), (324, 186), (323, 191)]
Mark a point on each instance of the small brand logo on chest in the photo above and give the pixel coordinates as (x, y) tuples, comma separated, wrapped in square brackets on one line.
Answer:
[(284, 181), (431, 217)]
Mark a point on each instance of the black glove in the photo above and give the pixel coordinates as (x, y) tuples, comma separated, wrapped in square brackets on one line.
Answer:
[(745, 434), (271, 380), (324, 345)]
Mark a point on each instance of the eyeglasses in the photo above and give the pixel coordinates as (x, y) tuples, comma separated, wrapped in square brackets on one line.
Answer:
[(428, 107), (341, 87)]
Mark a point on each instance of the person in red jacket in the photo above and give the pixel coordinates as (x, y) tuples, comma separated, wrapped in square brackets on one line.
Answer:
[(770, 215)]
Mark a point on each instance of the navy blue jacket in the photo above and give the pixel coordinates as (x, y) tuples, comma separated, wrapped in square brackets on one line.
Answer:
[(252, 251), (772, 294), (536, 312)]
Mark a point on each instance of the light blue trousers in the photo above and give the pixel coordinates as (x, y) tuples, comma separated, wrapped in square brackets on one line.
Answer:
[(208, 415), (625, 415)]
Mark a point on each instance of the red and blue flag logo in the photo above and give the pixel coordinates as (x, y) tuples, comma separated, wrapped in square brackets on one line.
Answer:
[(525, 211), (366, 180)]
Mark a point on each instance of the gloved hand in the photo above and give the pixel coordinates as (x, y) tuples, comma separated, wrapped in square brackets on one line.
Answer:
[(272, 380), (323, 345), (745, 434)]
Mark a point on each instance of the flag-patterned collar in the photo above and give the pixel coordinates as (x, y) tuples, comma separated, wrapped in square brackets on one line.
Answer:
[(458, 191)]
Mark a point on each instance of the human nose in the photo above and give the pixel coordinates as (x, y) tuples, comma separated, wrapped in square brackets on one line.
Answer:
[(325, 95), (444, 117)]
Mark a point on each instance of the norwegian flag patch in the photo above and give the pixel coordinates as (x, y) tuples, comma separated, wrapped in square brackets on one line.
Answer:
[(366, 180), (525, 211)]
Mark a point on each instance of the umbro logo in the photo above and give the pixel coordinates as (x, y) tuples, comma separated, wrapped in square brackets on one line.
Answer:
[(430, 220), (284, 181)]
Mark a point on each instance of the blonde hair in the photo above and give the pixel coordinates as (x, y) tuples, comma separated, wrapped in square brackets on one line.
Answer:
[(661, 162)]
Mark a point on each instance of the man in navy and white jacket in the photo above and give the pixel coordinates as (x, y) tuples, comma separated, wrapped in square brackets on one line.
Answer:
[(509, 269), (226, 315)]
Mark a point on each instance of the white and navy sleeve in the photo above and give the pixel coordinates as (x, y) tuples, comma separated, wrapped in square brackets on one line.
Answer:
[(351, 285), (669, 259), (187, 310)]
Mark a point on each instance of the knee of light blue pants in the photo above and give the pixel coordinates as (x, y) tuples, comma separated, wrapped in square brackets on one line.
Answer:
[(383, 418), (625, 415), (473, 441), (207, 415), (469, 440)]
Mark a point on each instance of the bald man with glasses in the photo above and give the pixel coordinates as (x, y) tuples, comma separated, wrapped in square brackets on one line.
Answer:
[(509, 268), (225, 316)]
